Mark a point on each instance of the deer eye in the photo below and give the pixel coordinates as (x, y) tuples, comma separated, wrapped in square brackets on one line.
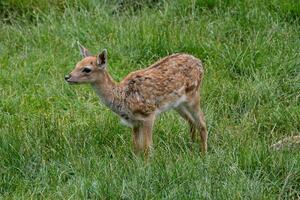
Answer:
[(86, 70)]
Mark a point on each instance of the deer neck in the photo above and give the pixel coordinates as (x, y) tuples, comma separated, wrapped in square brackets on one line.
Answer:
[(109, 92)]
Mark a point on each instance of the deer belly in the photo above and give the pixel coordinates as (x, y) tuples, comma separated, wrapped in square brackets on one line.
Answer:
[(169, 105), (126, 122)]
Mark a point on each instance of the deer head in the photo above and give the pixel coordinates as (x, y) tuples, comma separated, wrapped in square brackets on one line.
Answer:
[(90, 69)]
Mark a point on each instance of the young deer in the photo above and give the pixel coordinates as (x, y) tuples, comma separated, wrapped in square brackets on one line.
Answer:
[(172, 82)]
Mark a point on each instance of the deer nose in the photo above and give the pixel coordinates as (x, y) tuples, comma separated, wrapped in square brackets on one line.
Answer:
[(67, 77)]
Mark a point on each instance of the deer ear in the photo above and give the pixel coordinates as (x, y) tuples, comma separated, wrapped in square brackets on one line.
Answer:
[(83, 51), (102, 59)]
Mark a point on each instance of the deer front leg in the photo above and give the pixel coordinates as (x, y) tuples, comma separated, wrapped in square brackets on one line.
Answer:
[(142, 136), (185, 114)]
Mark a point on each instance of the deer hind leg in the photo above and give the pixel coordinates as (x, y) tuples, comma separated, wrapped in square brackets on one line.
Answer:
[(193, 108), (185, 114), (142, 136), (202, 130)]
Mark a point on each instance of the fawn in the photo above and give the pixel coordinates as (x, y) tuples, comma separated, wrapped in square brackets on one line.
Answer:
[(172, 82)]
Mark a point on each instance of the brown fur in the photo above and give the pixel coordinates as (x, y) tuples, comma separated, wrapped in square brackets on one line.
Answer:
[(172, 82)]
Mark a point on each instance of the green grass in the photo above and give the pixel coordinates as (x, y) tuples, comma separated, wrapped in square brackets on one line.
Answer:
[(58, 142)]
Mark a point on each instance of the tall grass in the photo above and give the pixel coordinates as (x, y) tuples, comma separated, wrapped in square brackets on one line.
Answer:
[(58, 142)]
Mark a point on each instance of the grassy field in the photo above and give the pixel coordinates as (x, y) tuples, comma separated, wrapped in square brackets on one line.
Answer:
[(58, 142)]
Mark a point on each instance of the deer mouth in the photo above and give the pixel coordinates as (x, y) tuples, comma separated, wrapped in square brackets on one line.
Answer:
[(69, 80), (72, 82)]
